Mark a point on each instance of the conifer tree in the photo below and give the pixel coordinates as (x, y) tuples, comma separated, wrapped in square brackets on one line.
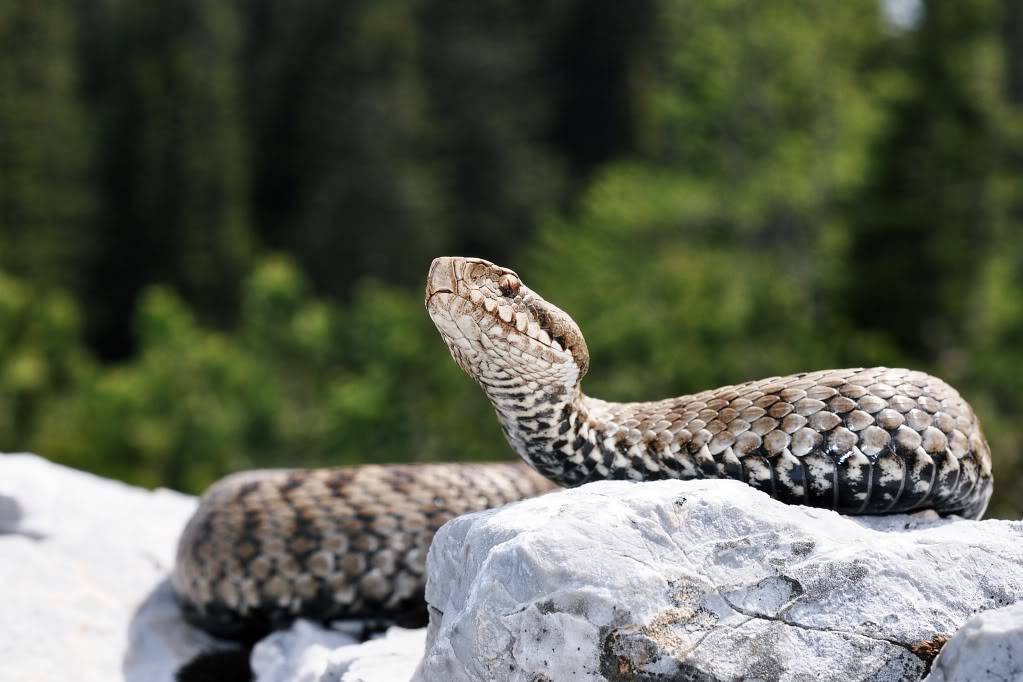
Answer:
[(925, 222), (44, 145), (175, 197)]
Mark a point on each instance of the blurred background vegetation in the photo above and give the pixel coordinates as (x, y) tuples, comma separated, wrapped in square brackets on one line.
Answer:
[(216, 217)]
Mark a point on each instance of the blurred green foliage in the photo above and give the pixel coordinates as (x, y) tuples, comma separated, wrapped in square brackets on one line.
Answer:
[(215, 219), (297, 383)]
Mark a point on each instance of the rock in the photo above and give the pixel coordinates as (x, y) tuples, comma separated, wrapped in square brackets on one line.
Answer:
[(309, 653), (393, 658), (82, 580), (300, 653), (988, 648), (697, 580), (704, 580)]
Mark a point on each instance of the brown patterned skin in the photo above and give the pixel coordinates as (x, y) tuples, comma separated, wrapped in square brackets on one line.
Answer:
[(858, 441), (268, 546)]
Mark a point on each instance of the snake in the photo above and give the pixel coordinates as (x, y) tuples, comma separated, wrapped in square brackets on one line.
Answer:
[(268, 546)]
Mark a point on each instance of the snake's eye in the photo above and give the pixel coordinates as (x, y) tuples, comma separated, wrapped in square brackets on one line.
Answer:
[(509, 285)]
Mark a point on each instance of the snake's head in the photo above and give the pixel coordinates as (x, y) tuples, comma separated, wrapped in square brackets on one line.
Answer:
[(498, 329)]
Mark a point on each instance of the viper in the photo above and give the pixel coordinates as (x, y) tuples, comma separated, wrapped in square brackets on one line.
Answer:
[(265, 547)]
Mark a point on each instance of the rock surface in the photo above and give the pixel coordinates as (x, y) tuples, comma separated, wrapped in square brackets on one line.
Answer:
[(84, 592), (701, 580), (309, 653), (81, 577), (705, 580), (988, 648)]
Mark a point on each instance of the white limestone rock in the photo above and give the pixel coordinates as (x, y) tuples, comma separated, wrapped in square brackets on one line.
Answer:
[(301, 653), (699, 580), (988, 648), (392, 658), (83, 562), (307, 652), (704, 580)]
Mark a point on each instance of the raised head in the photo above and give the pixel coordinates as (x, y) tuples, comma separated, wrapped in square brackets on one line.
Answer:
[(498, 329)]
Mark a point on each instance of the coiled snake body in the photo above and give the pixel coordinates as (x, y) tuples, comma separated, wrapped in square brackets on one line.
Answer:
[(267, 546)]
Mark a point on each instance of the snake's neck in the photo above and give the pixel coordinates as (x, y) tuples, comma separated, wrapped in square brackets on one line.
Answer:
[(570, 437)]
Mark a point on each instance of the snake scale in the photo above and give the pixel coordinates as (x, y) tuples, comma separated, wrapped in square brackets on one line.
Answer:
[(267, 546)]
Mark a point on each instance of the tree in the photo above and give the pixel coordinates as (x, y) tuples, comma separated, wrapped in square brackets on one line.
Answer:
[(175, 185), (344, 174), (44, 150), (924, 223), (707, 258), (994, 333)]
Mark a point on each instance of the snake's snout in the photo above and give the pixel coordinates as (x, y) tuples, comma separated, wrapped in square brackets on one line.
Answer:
[(447, 271), (442, 277)]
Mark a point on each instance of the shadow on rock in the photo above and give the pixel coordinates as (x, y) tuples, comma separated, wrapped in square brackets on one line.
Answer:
[(11, 515), (162, 646)]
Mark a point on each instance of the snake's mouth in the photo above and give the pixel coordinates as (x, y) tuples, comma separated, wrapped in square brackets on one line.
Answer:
[(526, 322)]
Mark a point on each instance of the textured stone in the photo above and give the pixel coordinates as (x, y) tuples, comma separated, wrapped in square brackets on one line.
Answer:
[(306, 652), (988, 648), (700, 580), (704, 580), (82, 577)]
